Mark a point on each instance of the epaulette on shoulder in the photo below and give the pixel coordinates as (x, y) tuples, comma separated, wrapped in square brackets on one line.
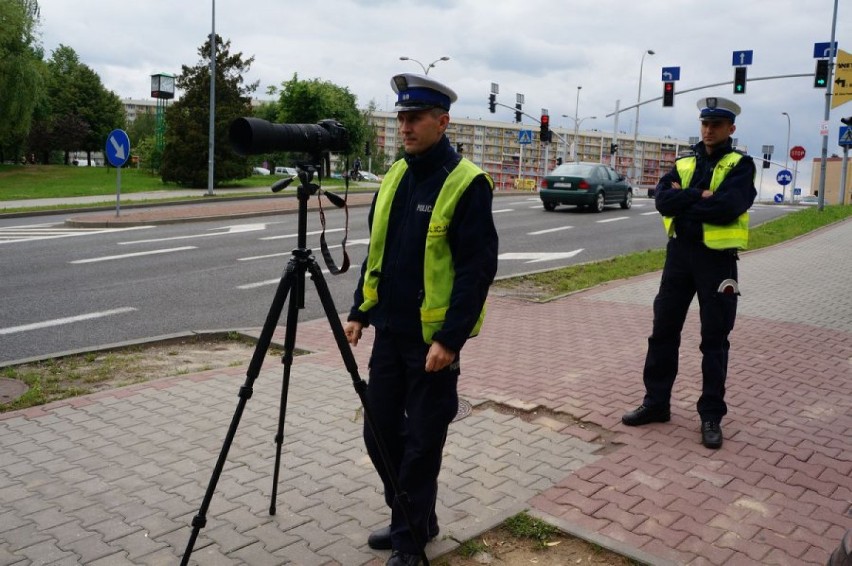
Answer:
[(686, 154)]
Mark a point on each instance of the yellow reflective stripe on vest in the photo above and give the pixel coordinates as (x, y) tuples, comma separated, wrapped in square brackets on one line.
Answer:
[(379, 233), (716, 236), (438, 271)]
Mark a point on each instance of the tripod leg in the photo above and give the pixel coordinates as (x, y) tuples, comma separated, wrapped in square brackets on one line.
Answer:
[(287, 360), (262, 346), (361, 389)]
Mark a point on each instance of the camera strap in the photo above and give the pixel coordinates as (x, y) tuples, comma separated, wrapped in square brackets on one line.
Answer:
[(326, 254)]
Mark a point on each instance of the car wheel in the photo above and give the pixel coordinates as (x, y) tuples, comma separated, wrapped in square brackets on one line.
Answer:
[(628, 201), (598, 206), (549, 206)]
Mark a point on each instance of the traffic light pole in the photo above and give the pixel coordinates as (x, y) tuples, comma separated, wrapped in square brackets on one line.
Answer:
[(828, 91)]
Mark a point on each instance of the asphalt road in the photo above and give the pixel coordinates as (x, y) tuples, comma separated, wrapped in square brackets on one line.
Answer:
[(67, 289)]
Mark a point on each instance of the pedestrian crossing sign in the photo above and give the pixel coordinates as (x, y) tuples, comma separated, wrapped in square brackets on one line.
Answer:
[(845, 136), (525, 137)]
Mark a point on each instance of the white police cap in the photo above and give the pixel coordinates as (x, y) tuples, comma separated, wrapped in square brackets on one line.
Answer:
[(419, 92), (717, 107)]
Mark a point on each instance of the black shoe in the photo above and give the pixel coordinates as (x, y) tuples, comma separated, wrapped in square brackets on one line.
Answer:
[(399, 558), (381, 539), (644, 415), (711, 434)]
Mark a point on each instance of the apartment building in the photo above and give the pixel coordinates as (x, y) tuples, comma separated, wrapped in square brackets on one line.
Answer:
[(495, 147)]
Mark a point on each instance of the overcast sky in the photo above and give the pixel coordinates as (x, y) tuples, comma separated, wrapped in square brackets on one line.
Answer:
[(544, 49)]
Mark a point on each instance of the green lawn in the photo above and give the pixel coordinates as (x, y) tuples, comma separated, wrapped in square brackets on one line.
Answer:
[(19, 182)]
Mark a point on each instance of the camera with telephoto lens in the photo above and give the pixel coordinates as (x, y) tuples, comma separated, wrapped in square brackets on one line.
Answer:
[(251, 136)]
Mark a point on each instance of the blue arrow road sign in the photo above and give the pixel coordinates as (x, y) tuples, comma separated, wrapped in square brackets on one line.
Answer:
[(671, 74), (778, 198), (742, 58), (784, 177), (823, 50), (845, 136), (117, 148), (525, 137)]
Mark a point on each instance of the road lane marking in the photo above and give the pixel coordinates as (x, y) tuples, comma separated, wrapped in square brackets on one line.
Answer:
[(538, 257), (502, 210), (35, 232), (616, 219), (61, 321), (648, 213), (314, 233), (235, 229), (137, 254), (549, 230), (364, 242)]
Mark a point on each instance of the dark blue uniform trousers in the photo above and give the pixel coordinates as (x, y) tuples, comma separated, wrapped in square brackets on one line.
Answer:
[(692, 268), (412, 411)]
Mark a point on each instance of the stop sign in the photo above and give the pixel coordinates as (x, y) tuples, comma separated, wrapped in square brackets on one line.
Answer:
[(797, 153)]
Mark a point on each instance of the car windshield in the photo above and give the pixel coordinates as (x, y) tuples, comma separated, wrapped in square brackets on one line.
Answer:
[(573, 170)]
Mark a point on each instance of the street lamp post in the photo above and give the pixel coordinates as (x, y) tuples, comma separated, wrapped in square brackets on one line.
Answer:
[(786, 157), (577, 126), (638, 170), (422, 66), (577, 123)]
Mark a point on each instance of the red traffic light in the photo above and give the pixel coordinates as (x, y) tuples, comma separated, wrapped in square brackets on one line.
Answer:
[(545, 119)]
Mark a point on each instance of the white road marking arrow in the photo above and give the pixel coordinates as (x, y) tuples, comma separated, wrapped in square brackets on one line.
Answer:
[(119, 149), (538, 257)]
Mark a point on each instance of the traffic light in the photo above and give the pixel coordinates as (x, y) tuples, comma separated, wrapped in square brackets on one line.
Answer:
[(558, 161), (518, 113), (459, 148), (545, 128), (740, 80), (766, 158), (821, 74), (668, 93), (613, 148), (847, 121), (492, 103)]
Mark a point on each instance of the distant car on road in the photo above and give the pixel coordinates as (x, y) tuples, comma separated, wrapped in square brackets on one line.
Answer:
[(809, 200), (259, 171), (291, 171), (592, 185), (367, 176)]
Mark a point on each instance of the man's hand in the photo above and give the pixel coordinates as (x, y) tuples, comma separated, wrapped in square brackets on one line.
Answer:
[(439, 357), (353, 331)]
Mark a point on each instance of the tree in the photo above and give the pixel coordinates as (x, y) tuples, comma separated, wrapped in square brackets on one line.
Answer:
[(185, 155), (79, 112), (308, 102), (21, 83)]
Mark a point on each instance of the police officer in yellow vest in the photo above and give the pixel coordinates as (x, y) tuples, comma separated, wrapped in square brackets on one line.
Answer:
[(431, 259), (704, 201)]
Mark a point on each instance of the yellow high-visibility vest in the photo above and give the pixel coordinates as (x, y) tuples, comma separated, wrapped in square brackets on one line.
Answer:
[(716, 236), (438, 270)]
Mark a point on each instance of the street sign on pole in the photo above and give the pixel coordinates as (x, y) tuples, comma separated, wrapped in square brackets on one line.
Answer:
[(117, 151), (842, 91), (823, 50), (784, 177), (845, 139), (671, 74), (525, 137), (742, 58), (797, 153)]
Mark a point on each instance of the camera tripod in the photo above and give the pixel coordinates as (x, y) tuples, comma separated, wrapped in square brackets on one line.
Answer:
[(293, 280)]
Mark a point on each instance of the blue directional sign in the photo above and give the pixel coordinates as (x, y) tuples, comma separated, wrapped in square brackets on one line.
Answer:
[(671, 74), (778, 198), (784, 177), (117, 148), (797, 191), (845, 136), (525, 137), (742, 58), (823, 50)]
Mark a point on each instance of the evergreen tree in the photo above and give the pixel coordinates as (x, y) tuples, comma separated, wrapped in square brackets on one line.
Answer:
[(185, 155)]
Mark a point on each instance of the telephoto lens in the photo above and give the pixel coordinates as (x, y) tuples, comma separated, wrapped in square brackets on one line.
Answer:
[(251, 136)]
